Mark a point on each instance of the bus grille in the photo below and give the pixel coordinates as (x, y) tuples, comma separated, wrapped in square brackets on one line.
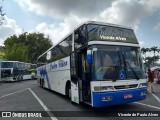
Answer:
[(125, 86)]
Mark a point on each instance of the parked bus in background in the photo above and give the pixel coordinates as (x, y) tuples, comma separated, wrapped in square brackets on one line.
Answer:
[(0, 72), (15, 70), (98, 63)]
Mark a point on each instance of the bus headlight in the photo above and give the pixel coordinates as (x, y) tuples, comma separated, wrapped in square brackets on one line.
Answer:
[(97, 88), (143, 94), (143, 85), (107, 98)]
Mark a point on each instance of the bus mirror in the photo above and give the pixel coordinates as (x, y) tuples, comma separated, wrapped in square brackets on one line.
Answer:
[(89, 57)]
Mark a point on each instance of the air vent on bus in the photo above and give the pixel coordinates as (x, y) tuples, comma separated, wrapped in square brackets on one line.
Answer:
[(133, 86), (126, 86), (119, 87)]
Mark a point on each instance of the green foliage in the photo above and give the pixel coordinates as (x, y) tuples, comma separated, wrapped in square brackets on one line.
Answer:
[(154, 49), (153, 59), (2, 55), (16, 52), (144, 50), (26, 47), (1, 48)]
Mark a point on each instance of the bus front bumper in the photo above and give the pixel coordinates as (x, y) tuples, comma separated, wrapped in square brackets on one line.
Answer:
[(7, 79), (102, 99)]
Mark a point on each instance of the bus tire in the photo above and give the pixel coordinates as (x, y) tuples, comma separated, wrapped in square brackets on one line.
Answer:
[(18, 78), (72, 102), (42, 83), (21, 77), (39, 82), (68, 89)]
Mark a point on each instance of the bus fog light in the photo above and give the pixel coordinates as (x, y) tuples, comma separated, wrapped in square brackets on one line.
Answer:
[(108, 98), (143, 93)]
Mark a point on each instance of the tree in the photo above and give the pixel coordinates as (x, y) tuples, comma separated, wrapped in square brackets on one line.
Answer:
[(2, 55), (1, 15), (27, 46), (17, 52), (156, 58), (154, 49), (144, 51), (151, 60)]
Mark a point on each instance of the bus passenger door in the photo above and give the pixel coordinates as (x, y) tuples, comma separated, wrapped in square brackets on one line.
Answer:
[(86, 77), (74, 78)]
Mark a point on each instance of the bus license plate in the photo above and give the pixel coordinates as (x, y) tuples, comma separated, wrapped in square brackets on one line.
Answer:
[(128, 96)]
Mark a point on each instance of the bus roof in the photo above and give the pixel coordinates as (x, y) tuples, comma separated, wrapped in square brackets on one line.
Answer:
[(9, 61), (16, 62), (87, 22), (107, 24)]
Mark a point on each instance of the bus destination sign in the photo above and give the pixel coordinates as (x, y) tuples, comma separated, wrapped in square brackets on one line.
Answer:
[(110, 33)]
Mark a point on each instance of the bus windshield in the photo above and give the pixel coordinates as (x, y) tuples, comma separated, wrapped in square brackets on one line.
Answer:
[(117, 63), (7, 64)]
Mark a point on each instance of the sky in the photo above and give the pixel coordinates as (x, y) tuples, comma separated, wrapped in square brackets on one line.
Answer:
[(56, 18)]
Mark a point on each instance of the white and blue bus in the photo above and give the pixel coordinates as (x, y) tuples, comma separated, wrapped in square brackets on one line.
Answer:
[(97, 63), (15, 71)]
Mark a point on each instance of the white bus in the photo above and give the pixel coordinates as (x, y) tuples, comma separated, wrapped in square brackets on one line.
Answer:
[(15, 70), (99, 64)]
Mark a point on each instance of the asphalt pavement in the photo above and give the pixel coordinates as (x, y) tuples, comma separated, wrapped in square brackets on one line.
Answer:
[(26, 98)]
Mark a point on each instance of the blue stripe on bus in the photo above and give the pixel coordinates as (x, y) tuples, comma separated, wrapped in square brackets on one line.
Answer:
[(47, 78), (117, 97), (44, 74)]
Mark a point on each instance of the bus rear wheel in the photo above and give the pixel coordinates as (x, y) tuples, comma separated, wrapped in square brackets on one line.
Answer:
[(21, 77), (42, 83)]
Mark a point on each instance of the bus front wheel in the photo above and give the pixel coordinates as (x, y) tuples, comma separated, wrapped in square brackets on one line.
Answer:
[(68, 89)]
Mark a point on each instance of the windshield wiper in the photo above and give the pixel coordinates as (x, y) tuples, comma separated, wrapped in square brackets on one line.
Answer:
[(133, 70), (130, 67)]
